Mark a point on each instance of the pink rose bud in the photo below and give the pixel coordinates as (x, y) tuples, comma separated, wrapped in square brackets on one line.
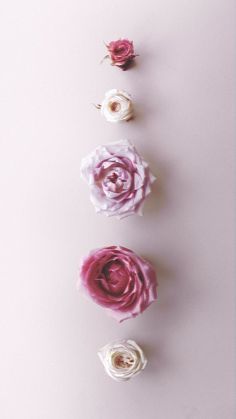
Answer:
[(119, 280), (121, 53)]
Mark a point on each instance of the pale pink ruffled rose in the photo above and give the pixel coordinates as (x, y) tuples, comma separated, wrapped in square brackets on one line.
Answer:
[(118, 177), (119, 280), (121, 53)]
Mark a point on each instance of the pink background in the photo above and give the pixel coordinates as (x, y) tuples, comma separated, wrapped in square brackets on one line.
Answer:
[(183, 89)]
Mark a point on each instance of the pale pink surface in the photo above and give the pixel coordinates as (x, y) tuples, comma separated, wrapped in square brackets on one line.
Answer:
[(183, 89)]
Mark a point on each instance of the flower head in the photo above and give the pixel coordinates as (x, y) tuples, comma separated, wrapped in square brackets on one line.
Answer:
[(119, 280), (121, 53), (122, 359), (117, 106), (118, 177)]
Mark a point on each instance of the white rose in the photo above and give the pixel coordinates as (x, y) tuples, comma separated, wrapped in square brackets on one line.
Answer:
[(117, 106), (122, 359)]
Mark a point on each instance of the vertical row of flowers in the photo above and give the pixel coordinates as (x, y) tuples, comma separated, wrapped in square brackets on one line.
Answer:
[(119, 180)]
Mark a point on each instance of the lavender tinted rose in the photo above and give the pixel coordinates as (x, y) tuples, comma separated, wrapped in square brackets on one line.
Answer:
[(118, 177), (119, 280)]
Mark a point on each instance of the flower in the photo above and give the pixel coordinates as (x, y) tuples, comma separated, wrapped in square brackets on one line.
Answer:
[(121, 53), (119, 280), (122, 359), (117, 106), (118, 177)]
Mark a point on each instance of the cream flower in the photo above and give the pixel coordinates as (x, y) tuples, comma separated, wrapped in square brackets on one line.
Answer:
[(122, 359), (117, 106)]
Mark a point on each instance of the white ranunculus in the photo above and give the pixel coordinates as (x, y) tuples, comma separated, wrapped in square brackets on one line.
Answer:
[(122, 359), (117, 106)]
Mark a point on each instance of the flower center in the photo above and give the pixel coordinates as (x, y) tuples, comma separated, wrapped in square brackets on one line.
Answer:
[(115, 106), (114, 277), (113, 177), (120, 50), (116, 180), (123, 361)]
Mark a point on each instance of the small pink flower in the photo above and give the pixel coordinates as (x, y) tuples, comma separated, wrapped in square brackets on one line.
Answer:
[(121, 53), (119, 280)]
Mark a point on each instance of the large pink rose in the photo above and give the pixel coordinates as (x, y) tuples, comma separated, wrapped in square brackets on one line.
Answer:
[(121, 53), (118, 177), (119, 280)]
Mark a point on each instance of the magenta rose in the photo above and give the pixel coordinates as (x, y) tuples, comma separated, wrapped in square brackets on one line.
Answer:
[(121, 53), (119, 280)]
